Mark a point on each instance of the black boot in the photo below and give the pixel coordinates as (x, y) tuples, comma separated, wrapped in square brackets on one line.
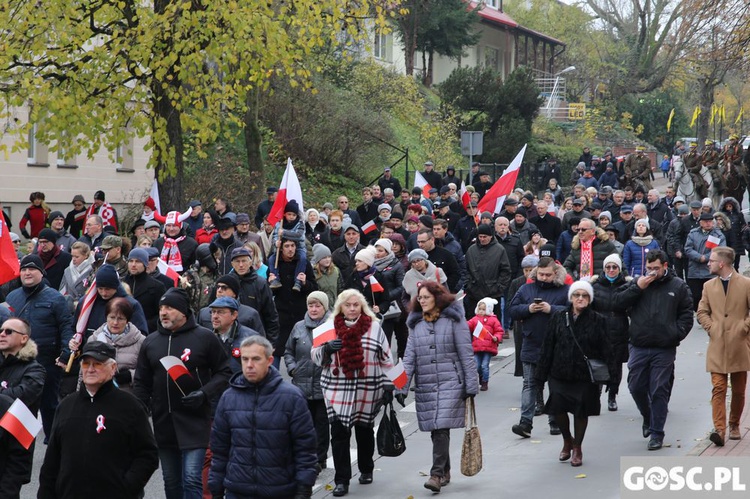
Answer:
[(612, 403)]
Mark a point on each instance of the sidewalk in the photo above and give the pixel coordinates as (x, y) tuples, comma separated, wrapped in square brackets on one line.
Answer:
[(733, 448)]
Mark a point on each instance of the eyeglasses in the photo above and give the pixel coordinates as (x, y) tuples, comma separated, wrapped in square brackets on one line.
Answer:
[(8, 331), (579, 295), (611, 267), (584, 229)]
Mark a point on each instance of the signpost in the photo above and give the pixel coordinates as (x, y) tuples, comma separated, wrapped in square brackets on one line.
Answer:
[(471, 145)]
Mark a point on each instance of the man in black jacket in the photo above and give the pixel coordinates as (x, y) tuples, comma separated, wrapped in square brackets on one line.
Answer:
[(441, 258), (143, 287), (22, 376), (180, 406), (102, 444), (488, 269), (254, 291), (343, 256), (549, 225), (431, 176), (661, 317)]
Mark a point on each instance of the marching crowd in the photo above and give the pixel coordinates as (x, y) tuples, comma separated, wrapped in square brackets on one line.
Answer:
[(186, 319)]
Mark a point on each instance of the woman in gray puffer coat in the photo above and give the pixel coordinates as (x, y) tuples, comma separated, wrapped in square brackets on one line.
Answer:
[(305, 374), (440, 361)]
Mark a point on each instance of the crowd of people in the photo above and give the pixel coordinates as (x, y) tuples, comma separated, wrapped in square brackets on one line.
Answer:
[(187, 318)]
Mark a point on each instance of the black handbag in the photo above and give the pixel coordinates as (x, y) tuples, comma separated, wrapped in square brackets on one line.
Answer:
[(598, 369), (391, 442)]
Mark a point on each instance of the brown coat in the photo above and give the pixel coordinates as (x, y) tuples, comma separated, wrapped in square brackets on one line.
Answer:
[(725, 318)]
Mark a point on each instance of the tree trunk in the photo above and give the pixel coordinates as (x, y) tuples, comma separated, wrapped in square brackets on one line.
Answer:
[(706, 100), (427, 80), (171, 195), (253, 144)]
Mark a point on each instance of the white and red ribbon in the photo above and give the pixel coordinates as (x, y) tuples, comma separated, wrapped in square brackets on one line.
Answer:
[(100, 423)]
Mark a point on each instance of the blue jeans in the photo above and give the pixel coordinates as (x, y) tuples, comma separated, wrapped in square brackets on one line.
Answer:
[(528, 393), (482, 359), (301, 254), (650, 380), (182, 472)]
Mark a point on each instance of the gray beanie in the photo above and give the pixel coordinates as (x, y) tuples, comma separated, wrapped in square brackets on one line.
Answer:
[(320, 251), (529, 261), (318, 296), (417, 254), (139, 254)]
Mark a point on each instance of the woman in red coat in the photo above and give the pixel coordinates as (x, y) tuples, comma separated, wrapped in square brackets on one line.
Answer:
[(485, 338)]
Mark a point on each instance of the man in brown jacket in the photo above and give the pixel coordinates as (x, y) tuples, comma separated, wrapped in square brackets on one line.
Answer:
[(723, 313)]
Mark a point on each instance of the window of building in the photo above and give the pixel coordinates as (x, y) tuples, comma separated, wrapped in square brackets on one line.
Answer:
[(491, 58), (382, 48), (64, 158), (32, 145)]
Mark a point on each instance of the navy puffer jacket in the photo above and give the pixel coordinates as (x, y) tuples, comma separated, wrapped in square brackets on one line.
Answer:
[(263, 439)]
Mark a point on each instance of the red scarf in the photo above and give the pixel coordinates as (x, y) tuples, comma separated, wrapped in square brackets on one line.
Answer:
[(106, 212), (170, 253), (587, 259), (352, 355)]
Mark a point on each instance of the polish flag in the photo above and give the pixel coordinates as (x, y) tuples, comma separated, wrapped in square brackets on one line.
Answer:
[(288, 190), (174, 366), (495, 197), (375, 286), (21, 423), (465, 197), (396, 374), (712, 242), (106, 211), (154, 196), (420, 182), (369, 227), (323, 334), (9, 265), (168, 271), (481, 332), (83, 319)]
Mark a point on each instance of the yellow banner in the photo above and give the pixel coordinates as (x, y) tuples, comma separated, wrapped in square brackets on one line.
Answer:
[(739, 115), (669, 121), (696, 113)]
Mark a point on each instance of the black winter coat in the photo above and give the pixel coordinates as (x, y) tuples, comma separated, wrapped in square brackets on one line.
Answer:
[(147, 291), (613, 312), (561, 358), (98, 315), (255, 293), (177, 426), (488, 271), (393, 278), (447, 263), (344, 260), (263, 440), (22, 377), (379, 298), (226, 246), (115, 462), (56, 271), (514, 249)]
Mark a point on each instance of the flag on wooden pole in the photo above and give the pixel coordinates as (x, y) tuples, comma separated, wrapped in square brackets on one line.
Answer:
[(495, 197)]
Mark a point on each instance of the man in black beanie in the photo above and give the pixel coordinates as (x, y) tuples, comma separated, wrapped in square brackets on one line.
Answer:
[(56, 222), (181, 411), (54, 259)]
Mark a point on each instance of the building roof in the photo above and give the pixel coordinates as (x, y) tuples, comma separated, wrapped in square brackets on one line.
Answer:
[(495, 16), (537, 34)]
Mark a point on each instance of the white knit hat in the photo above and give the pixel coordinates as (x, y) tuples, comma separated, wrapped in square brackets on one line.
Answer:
[(583, 285), (613, 258), (489, 304), (366, 255), (386, 244)]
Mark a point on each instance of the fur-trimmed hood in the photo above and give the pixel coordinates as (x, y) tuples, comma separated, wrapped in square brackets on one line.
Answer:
[(28, 352), (560, 275), (601, 236), (735, 204), (724, 218)]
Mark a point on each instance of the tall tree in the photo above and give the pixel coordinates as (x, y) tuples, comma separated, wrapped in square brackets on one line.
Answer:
[(95, 72)]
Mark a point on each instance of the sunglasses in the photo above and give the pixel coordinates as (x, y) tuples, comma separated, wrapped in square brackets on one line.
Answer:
[(612, 267), (580, 295), (8, 331)]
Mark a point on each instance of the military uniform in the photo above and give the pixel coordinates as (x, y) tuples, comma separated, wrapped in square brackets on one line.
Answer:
[(710, 159), (199, 284), (638, 166), (732, 155), (693, 163)]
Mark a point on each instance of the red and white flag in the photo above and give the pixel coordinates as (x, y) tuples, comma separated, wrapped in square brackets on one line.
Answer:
[(323, 334), (419, 181), (21, 423), (369, 227), (375, 286), (106, 212), (168, 271), (465, 196), (154, 196), (288, 190), (481, 332), (712, 242), (83, 319), (174, 366), (9, 266), (396, 374), (495, 197)]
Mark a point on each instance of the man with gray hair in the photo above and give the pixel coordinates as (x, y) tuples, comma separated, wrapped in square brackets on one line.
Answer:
[(100, 433), (640, 212), (263, 439), (657, 209), (93, 232)]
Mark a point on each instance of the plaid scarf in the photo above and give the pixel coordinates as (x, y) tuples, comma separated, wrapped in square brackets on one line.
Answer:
[(587, 258)]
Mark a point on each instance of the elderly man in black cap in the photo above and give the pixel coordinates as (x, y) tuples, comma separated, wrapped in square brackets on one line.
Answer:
[(228, 286), (55, 260), (224, 243), (195, 221), (152, 229), (102, 444), (579, 211), (180, 405), (264, 208), (482, 185), (226, 325), (47, 312)]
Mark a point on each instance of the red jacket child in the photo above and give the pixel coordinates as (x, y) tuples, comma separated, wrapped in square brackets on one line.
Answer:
[(484, 310)]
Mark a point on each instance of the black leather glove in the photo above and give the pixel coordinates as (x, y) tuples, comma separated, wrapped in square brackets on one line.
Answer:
[(303, 492), (401, 398), (123, 377), (25, 233), (194, 399), (333, 346), (387, 397)]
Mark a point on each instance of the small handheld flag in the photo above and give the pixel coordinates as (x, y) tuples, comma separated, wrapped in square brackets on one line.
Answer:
[(375, 286), (369, 227), (174, 366), (21, 423), (323, 334), (397, 375), (481, 332), (712, 242)]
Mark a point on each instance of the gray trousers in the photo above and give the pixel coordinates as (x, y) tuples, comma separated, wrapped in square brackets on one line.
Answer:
[(441, 456)]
